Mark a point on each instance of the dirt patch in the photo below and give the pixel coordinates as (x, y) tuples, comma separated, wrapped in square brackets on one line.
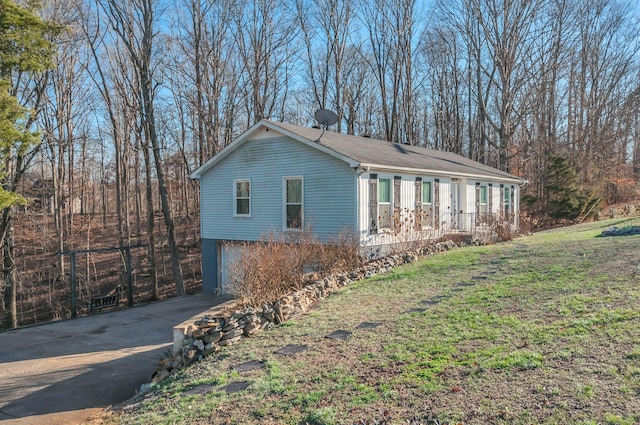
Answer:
[(77, 417)]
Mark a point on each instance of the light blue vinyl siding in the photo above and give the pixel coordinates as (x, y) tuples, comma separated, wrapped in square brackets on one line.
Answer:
[(329, 190)]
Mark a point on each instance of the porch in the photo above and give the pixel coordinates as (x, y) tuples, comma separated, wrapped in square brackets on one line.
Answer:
[(466, 226)]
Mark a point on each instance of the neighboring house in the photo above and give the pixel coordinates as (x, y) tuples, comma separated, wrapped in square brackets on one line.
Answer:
[(285, 177), (38, 193)]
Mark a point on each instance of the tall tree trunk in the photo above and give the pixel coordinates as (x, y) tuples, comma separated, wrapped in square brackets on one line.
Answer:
[(151, 238), (166, 209), (146, 81), (10, 282)]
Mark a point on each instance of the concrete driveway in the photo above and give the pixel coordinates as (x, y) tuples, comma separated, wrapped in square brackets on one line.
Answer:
[(63, 372)]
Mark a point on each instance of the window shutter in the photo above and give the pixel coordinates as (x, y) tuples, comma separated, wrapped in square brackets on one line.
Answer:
[(512, 204), (373, 204), (418, 208), (396, 201), (436, 203), (503, 201), (477, 200), (396, 192)]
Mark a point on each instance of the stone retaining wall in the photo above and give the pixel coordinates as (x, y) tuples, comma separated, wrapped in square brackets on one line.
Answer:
[(231, 322), (621, 210)]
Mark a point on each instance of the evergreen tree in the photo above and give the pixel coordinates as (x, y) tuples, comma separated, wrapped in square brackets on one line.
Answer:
[(24, 51), (563, 189), (24, 48)]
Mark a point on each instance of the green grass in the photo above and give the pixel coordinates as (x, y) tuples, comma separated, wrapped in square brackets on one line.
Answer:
[(548, 333)]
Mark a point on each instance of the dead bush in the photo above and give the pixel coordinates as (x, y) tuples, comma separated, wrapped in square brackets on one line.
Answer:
[(265, 271), (504, 232), (340, 253)]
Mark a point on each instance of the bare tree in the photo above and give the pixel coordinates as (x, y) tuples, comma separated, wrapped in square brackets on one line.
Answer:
[(360, 103), (443, 54), (64, 109), (601, 76), (326, 27), (542, 131), (634, 129), (91, 26), (201, 73), (510, 34), (265, 38), (390, 29), (133, 23)]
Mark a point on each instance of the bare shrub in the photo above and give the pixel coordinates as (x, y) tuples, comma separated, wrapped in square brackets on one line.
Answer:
[(501, 228), (340, 253), (526, 222), (504, 232), (265, 271)]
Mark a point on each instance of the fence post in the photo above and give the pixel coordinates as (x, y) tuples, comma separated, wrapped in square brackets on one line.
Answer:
[(74, 295), (129, 276)]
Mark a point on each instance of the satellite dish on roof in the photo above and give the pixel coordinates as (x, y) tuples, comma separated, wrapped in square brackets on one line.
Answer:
[(326, 117)]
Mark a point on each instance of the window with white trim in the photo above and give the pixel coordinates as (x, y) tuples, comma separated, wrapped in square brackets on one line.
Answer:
[(384, 203), (427, 203), (242, 198), (293, 203), (484, 207), (507, 201)]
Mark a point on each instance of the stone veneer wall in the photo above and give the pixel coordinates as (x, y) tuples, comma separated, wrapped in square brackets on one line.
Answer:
[(230, 322)]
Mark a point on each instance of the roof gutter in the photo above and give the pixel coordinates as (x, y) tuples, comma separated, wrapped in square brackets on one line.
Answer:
[(362, 170)]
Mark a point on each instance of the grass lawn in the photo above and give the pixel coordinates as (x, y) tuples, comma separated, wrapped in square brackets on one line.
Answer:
[(542, 329)]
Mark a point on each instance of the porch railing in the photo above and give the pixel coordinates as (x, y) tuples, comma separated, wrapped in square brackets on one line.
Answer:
[(481, 225), (477, 222)]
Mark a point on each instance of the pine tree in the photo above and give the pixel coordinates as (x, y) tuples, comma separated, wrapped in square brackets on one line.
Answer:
[(24, 50), (563, 189)]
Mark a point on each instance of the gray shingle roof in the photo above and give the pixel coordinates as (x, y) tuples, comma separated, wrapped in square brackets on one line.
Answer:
[(380, 153)]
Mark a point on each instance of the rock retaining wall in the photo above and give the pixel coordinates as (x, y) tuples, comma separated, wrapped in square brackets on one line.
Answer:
[(621, 210), (231, 322)]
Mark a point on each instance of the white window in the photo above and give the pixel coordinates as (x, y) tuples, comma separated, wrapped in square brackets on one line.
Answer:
[(293, 203), (427, 204), (384, 203), (242, 198), (507, 201)]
